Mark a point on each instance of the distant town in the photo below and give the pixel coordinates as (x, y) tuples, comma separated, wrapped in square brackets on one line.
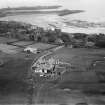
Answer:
[(28, 32)]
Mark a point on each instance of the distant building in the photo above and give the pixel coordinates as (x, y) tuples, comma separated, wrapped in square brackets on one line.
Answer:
[(33, 27), (90, 44), (49, 67), (59, 41), (58, 32), (32, 50), (37, 34)]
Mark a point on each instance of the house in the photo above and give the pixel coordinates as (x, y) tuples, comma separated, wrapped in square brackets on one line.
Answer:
[(49, 67), (32, 50), (37, 34), (59, 41), (90, 44), (58, 32), (43, 67)]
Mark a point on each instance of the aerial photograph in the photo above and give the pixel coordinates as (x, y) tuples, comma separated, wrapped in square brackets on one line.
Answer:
[(52, 52)]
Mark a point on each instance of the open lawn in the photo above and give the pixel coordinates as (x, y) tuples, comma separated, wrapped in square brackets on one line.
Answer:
[(42, 46), (9, 49), (9, 40), (13, 88), (23, 43)]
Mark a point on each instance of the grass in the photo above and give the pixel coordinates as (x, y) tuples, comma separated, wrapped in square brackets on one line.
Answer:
[(82, 76), (12, 76), (82, 79)]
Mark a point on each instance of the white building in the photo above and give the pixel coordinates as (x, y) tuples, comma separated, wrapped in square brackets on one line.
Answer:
[(32, 50)]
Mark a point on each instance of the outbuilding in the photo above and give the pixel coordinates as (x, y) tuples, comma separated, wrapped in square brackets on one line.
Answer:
[(32, 50)]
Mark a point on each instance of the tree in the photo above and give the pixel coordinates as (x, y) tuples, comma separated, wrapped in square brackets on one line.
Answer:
[(80, 35), (51, 37), (66, 39), (100, 42)]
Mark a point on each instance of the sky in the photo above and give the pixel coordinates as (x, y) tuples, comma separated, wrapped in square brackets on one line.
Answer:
[(68, 3), (15, 3)]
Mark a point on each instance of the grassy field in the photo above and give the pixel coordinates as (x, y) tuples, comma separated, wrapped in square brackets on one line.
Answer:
[(13, 89), (7, 40), (23, 43), (42, 46), (83, 83)]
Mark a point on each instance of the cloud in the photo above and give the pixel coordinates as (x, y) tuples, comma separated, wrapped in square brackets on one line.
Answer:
[(14, 3), (71, 4)]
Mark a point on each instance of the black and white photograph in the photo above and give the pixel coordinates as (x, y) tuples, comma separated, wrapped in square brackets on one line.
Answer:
[(52, 52)]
